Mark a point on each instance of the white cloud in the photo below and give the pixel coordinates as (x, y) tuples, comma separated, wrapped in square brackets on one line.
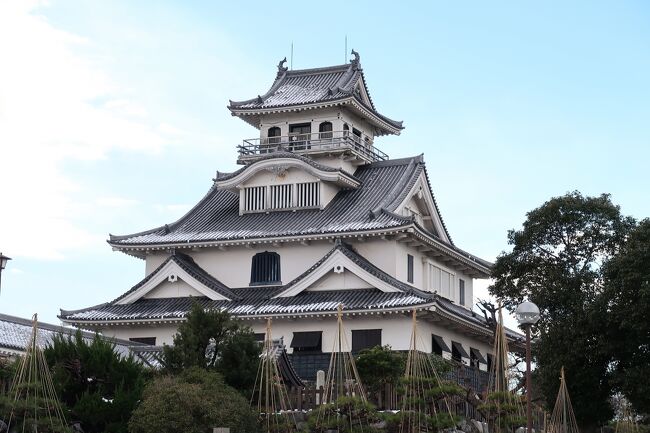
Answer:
[(49, 115)]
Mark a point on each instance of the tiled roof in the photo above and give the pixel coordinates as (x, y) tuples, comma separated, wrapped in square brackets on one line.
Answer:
[(15, 333), (314, 86), (216, 217)]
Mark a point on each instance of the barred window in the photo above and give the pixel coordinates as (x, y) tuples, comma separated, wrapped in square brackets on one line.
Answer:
[(281, 196), (265, 268), (255, 198), (308, 194)]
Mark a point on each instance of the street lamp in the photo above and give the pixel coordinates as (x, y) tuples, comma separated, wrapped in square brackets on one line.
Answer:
[(527, 315), (3, 263)]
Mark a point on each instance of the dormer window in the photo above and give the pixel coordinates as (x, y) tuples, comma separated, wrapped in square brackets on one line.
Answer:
[(325, 130), (265, 268), (288, 196)]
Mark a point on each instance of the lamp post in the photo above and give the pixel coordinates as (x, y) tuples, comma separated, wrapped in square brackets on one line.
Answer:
[(527, 315), (3, 263)]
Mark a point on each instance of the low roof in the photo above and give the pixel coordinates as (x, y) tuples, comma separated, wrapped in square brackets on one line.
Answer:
[(333, 85), (15, 334)]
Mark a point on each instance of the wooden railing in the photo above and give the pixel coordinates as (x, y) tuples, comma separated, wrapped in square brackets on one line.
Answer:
[(310, 143)]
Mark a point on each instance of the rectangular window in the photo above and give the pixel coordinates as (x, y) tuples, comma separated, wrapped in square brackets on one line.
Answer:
[(151, 341), (365, 339), (307, 342), (409, 269), (461, 291), (255, 198), (281, 196), (458, 352), (475, 357), (441, 281), (308, 194), (259, 336), (438, 345)]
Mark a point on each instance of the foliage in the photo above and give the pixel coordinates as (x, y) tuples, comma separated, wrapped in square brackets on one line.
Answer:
[(556, 262), (626, 304), (31, 411), (380, 366), (100, 386), (237, 352), (503, 410), (193, 401), (345, 415)]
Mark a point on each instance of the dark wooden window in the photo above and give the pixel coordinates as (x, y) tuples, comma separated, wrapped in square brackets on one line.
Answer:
[(325, 130), (475, 357), (409, 268), (346, 130), (259, 336), (458, 352), (151, 341), (365, 339), (307, 342), (265, 268), (438, 345), (461, 291), (274, 135), (299, 135), (356, 135)]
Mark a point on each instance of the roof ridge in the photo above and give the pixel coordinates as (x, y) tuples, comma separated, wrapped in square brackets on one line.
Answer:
[(398, 188)]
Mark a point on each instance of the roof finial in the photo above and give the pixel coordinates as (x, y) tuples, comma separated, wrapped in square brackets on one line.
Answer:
[(281, 68), (356, 57)]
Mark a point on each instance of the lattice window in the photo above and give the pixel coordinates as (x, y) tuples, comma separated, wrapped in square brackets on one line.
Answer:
[(254, 198), (281, 196), (308, 194), (265, 268)]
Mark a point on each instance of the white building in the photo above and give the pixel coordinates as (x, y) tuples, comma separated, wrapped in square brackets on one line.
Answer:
[(316, 217)]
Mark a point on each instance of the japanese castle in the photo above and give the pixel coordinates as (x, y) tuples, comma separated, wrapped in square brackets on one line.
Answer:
[(317, 216)]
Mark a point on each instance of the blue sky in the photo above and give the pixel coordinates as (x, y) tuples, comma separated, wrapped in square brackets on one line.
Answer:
[(113, 115)]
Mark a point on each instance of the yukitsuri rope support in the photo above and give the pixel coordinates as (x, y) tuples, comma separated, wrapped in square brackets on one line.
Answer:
[(272, 402), (563, 420), (505, 409), (345, 406), (425, 404), (626, 422), (34, 403)]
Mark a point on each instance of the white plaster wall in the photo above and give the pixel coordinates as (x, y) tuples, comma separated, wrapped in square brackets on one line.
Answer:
[(164, 333), (152, 261), (345, 280), (380, 252), (396, 331), (177, 289)]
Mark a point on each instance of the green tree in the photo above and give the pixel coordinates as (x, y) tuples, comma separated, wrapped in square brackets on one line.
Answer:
[(380, 366), (194, 401), (626, 305), (100, 386), (556, 262), (236, 351)]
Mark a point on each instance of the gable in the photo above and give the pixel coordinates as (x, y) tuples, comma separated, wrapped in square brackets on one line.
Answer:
[(336, 263), (169, 289), (339, 279), (420, 204), (160, 284)]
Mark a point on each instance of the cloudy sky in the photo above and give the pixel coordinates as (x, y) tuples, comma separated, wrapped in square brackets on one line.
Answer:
[(113, 115)]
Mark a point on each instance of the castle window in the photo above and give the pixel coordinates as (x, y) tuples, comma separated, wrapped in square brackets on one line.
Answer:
[(476, 358), (409, 268), (254, 198), (346, 130), (356, 135), (265, 268), (440, 281), (299, 135), (458, 352), (365, 339), (307, 342), (308, 194), (438, 345), (274, 135), (325, 130), (461, 291), (281, 196), (151, 341)]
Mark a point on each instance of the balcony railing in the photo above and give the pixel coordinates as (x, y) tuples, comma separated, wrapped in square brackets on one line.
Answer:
[(319, 142)]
